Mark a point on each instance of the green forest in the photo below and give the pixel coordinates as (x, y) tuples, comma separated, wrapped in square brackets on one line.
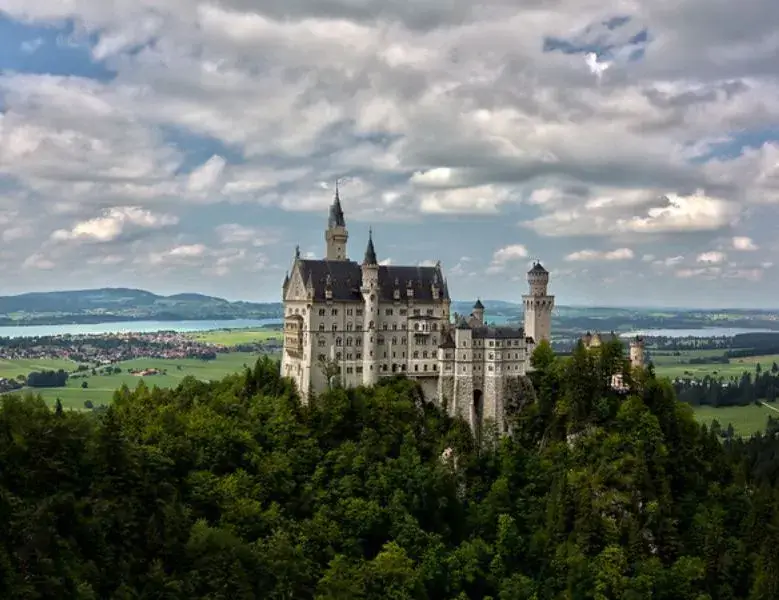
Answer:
[(235, 490)]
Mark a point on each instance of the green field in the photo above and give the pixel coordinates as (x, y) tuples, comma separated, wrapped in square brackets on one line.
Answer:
[(101, 387), (746, 420), (674, 366), (233, 337), (9, 369)]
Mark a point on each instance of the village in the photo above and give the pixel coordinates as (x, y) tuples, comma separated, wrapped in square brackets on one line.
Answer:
[(109, 348)]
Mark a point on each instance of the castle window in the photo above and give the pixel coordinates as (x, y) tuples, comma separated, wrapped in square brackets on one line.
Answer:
[(380, 340), (370, 325), (337, 356), (321, 342), (435, 327), (385, 326), (321, 357), (321, 327), (435, 367), (388, 312), (429, 312), (384, 367), (425, 368), (402, 367), (416, 367), (358, 369), (416, 326), (403, 326), (359, 356), (435, 341), (492, 356), (491, 343), (358, 341), (335, 326), (348, 369), (394, 327), (334, 312), (416, 354), (348, 341), (321, 312), (349, 312), (403, 341), (338, 341), (489, 368), (349, 326), (359, 312), (416, 312), (349, 357), (402, 312), (464, 343), (394, 340), (424, 354)]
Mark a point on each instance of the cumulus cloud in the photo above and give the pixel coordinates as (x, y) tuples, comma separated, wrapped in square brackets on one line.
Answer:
[(113, 224), (566, 117), (743, 243), (713, 257), (591, 255), (502, 257)]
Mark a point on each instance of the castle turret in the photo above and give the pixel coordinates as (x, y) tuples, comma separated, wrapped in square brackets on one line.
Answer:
[(538, 305), (463, 377), (370, 295), (637, 352), (336, 235), (478, 312)]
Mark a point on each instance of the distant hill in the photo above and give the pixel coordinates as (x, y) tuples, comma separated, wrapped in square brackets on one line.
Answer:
[(119, 304)]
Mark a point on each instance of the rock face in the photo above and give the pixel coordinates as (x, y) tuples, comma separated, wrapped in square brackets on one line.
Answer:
[(518, 393)]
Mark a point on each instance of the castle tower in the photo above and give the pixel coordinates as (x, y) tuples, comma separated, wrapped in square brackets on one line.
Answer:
[(336, 235), (637, 352), (370, 294), (478, 311), (538, 305)]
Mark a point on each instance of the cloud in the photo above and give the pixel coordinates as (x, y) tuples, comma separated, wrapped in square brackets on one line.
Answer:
[(502, 257), (647, 125), (113, 224), (236, 234), (593, 255), (713, 257), (743, 243)]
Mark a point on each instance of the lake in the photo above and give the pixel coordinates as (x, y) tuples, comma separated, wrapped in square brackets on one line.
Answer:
[(699, 332), (133, 327)]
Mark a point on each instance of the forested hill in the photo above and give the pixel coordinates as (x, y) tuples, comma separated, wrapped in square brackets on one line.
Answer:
[(121, 304), (233, 490)]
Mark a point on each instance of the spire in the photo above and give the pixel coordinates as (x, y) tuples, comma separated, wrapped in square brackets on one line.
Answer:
[(336, 212), (370, 251), (478, 305)]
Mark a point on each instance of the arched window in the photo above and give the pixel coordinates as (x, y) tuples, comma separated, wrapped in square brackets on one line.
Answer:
[(337, 341), (335, 326), (348, 341), (416, 326), (321, 327), (370, 325)]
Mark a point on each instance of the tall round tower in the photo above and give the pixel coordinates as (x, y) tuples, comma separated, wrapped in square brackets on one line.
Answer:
[(538, 305), (637, 352), (370, 295)]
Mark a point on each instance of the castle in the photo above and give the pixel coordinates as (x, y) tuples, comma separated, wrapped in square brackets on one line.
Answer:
[(353, 323)]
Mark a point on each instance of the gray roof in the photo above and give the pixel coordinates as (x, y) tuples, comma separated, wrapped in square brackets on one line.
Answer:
[(336, 212), (346, 278), (537, 268), (498, 333), (447, 342), (478, 305), (370, 252)]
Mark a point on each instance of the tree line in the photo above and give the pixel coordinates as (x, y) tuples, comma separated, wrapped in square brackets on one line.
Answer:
[(236, 490), (749, 387)]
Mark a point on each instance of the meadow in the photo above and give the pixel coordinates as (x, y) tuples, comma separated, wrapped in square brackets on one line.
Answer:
[(671, 366), (746, 420), (10, 369), (101, 387), (234, 337)]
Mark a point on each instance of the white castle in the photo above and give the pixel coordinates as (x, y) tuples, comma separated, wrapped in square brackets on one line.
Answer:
[(354, 323)]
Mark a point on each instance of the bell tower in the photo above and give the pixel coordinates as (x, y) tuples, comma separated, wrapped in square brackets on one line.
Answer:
[(336, 235), (538, 305)]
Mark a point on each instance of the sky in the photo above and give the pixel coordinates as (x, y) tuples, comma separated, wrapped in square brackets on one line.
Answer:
[(183, 146)]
